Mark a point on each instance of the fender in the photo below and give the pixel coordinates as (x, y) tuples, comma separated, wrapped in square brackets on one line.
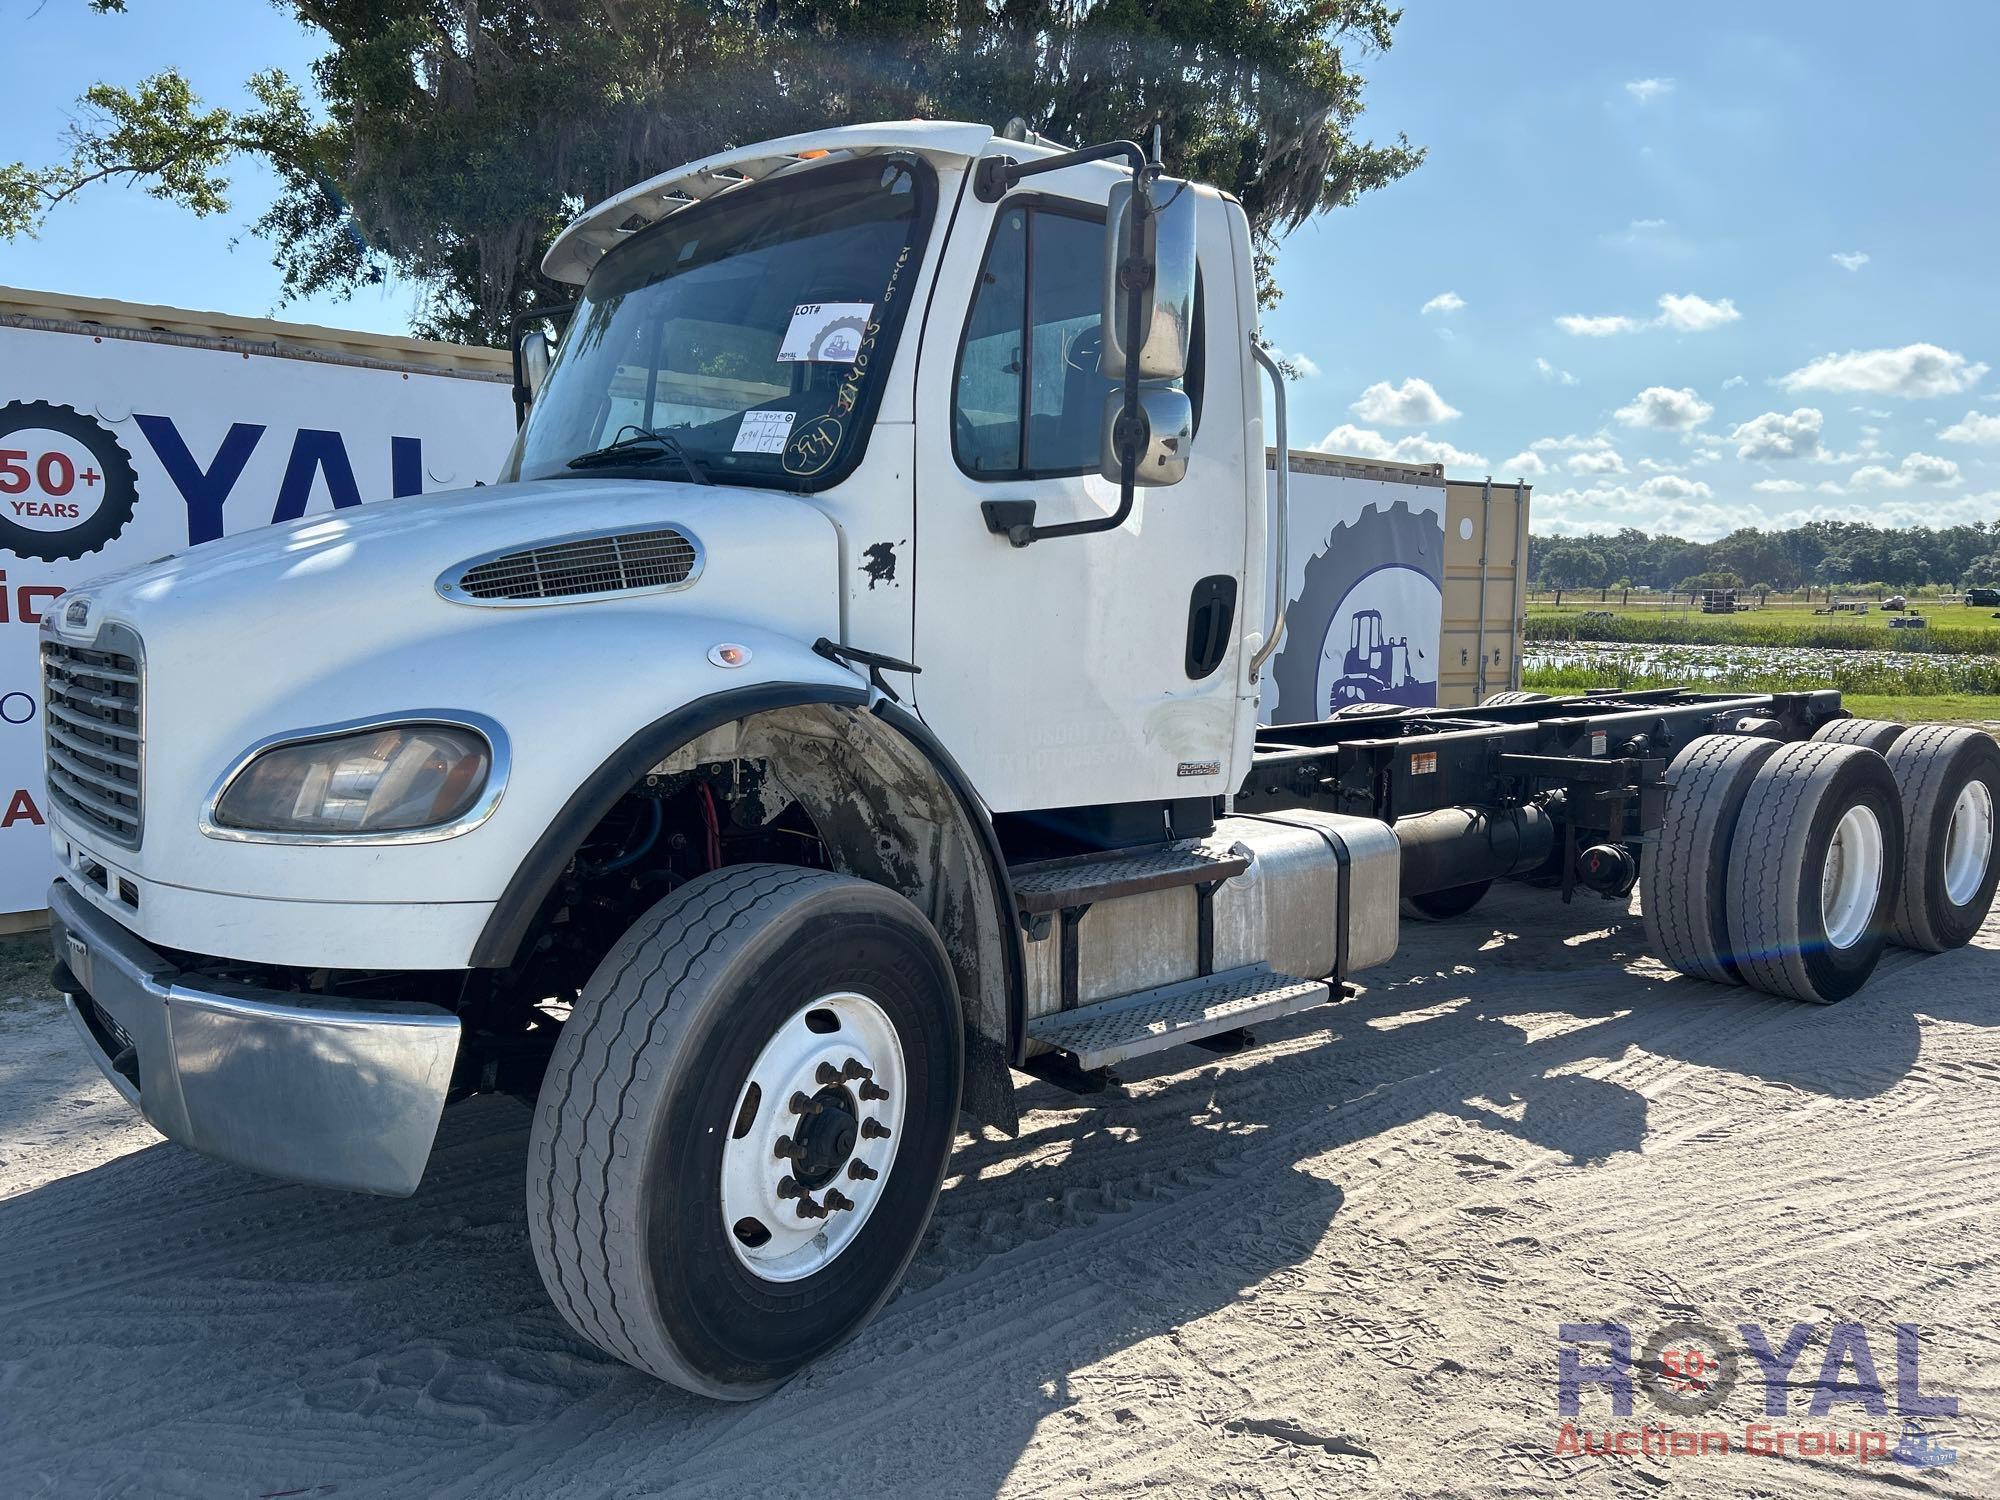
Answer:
[(500, 940)]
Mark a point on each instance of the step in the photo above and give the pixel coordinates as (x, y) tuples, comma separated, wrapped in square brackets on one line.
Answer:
[(1153, 1020), (1051, 885)]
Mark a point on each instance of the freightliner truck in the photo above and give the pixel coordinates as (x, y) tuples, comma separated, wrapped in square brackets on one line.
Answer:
[(846, 701)]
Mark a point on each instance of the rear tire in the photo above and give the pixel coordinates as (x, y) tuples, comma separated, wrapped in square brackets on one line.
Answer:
[(1367, 710), (1686, 901), (1442, 906), (1498, 700), (650, 1133), (1814, 871), (1870, 734), (1950, 784)]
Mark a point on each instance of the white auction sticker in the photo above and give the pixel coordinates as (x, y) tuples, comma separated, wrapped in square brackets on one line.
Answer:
[(763, 432), (825, 332)]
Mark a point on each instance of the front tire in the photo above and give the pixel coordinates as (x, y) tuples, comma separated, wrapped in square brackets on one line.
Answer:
[(761, 1010)]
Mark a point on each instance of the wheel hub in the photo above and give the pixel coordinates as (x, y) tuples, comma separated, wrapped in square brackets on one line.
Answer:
[(813, 1136), (1968, 844), (826, 1137), (1851, 879)]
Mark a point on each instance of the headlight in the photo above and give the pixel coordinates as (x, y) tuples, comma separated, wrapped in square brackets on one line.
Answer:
[(386, 780)]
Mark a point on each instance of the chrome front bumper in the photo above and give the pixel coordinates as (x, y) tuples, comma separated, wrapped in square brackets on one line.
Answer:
[(343, 1095)]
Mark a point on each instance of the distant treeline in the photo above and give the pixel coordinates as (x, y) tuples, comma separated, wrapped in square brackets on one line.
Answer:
[(1824, 553)]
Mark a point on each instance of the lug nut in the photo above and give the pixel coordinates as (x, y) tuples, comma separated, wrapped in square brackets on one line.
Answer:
[(837, 1200), (809, 1209), (860, 1171), (874, 1130), (826, 1075), (786, 1148), (872, 1090), (788, 1187), (852, 1068), (801, 1105)]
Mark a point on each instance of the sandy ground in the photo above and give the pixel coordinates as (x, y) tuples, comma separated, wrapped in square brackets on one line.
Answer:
[(1335, 1262)]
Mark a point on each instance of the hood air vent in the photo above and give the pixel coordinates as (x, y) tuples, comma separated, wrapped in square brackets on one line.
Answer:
[(573, 569)]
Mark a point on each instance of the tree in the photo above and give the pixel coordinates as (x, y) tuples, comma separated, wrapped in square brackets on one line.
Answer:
[(457, 138)]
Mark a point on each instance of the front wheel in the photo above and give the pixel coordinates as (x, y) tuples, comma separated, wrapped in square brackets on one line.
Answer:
[(744, 1126)]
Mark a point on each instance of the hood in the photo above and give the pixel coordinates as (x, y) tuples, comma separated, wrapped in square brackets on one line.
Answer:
[(338, 619), (391, 552)]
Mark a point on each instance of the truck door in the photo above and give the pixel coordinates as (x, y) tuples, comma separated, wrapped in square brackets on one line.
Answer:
[(1085, 669)]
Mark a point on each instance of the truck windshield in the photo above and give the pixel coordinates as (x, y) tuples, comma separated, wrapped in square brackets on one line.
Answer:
[(753, 333)]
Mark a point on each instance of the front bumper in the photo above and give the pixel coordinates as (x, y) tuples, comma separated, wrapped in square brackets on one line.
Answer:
[(344, 1095)]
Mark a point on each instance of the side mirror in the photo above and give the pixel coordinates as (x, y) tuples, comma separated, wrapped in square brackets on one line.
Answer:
[(1165, 432), (1166, 313), (534, 360)]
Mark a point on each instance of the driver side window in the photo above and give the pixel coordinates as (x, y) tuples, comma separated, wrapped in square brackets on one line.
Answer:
[(1029, 400)]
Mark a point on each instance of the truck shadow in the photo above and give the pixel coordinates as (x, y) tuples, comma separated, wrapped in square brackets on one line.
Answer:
[(172, 1324)]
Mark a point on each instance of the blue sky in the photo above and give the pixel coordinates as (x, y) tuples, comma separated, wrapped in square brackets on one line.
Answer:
[(1683, 268)]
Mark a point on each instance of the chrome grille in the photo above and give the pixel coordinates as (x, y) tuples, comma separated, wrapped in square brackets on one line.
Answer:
[(581, 567), (93, 734)]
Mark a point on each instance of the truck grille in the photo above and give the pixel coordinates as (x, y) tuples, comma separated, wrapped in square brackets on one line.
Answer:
[(583, 567), (94, 739)]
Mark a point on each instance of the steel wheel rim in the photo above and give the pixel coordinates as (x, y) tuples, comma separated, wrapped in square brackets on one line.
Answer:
[(1968, 843), (798, 1183), (1851, 879)]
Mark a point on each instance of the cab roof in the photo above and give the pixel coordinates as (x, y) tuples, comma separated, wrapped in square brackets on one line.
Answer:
[(581, 246)]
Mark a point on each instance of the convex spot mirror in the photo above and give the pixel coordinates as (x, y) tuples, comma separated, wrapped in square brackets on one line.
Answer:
[(534, 360), (1166, 316), (1165, 422)]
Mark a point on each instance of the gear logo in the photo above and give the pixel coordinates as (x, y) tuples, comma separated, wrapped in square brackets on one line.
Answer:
[(66, 484), (1364, 628), (839, 343)]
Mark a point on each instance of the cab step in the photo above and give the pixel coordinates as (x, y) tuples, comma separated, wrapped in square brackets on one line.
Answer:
[(1153, 1020), (1082, 880)]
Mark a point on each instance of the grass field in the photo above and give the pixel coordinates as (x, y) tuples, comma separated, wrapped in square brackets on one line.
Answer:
[(1952, 628), (1949, 671)]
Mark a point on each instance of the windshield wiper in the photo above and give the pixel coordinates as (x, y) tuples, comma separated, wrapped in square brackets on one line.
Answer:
[(635, 450)]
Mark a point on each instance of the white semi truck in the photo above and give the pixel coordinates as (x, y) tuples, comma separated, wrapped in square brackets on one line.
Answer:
[(848, 698)]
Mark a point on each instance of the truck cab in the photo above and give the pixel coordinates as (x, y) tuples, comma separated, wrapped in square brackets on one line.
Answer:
[(846, 696)]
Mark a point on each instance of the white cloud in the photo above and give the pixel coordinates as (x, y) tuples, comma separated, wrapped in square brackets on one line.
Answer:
[(1570, 444), (1734, 382), (1550, 372), (1444, 302), (1830, 487), (1646, 226), (1776, 435), (1646, 90), (1665, 409), (1916, 468), (1682, 312), (1596, 461), (1674, 487), (1691, 314), (1301, 365), (1412, 404), (1526, 464), (1597, 328), (1778, 487), (1419, 448), (1912, 371), (1850, 260), (1977, 427)]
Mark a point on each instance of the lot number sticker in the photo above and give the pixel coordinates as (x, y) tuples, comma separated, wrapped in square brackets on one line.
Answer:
[(825, 333), (763, 432)]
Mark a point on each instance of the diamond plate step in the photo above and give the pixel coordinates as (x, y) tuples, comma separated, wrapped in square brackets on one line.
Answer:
[(1153, 1020), (1055, 883)]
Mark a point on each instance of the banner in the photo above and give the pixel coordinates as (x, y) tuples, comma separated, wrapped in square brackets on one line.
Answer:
[(116, 451), (1364, 592)]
